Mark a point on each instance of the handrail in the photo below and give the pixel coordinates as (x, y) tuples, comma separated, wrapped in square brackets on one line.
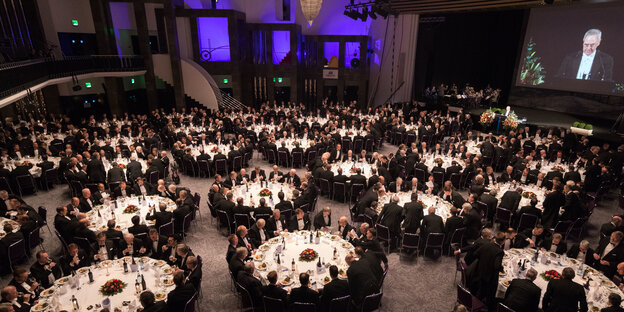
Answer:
[(19, 76)]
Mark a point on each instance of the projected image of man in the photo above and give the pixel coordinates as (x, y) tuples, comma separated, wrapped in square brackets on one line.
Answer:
[(590, 63)]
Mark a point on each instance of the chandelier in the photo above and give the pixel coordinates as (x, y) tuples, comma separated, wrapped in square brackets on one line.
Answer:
[(311, 9)]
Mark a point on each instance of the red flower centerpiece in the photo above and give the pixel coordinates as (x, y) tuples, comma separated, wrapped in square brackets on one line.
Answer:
[(214, 149), (308, 255), (439, 160), (265, 193), (131, 209), (423, 204), (112, 287), (530, 195), (122, 166), (550, 275)]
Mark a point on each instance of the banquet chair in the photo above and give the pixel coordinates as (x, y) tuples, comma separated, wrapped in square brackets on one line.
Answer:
[(272, 304), (562, 227), (84, 244), (188, 168), (4, 185), (282, 159), (383, 234), (242, 219), (411, 137), (186, 224), (305, 207), (246, 301), (190, 305), (25, 182), (468, 300), (16, 253), (346, 145), (264, 216), (339, 304), (63, 243), (483, 210), (43, 214), (467, 179), (311, 155), (304, 307), (354, 194), (527, 221), (213, 211), (93, 187), (455, 180), (438, 177), (297, 159), (221, 167), (287, 213), (142, 237), (358, 146), (457, 239), (371, 302), (460, 266), (340, 189), (576, 228), (34, 240), (166, 229), (270, 156), (197, 201), (50, 177), (237, 163), (247, 157), (434, 241), (410, 242), (503, 308), (111, 186), (224, 220), (324, 183), (502, 217), (369, 145), (486, 161), (420, 175), (153, 177)]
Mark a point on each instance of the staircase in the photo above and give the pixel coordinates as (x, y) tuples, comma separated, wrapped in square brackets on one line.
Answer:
[(229, 102)]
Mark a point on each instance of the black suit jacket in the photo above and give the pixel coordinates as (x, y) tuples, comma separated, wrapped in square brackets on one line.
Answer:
[(275, 292), (413, 212), (159, 306), (319, 221), (391, 216), (602, 67), (271, 225), (522, 295), (335, 289), (117, 192), (432, 223), (574, 251), (137, 244), (252, 285), (293, 224), (564, 295), (177, 298), (510, 200), (160, 217), (304, 295)]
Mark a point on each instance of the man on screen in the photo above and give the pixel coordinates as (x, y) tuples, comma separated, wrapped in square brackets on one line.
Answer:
[(589, 64)]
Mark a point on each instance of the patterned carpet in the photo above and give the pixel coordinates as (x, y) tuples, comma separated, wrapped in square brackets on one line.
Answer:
[(422, 285)]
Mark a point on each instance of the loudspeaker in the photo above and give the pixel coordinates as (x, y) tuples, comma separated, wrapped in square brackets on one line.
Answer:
[(77, 88), (355, 63)]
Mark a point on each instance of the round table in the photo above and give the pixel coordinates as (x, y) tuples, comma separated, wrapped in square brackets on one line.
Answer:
[(14, 223), (251, 193), (35, 171), (98, 222), (447, 161), (599, 286), (443, 208), (346, 167), (265, 258), (157, 274), (539, 192)]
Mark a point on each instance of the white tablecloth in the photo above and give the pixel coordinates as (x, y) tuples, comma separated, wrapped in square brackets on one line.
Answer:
[(526, 189), (124, 219), (443, 208), (89, 293), (348, 165), (295, 244), (599, 287), (251, 194)]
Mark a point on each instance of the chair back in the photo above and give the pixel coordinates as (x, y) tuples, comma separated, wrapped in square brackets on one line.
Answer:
[(287, 213), (383, 233), (305, 207), (166, 229), (197, 199), (17, 252), (51, 175), (419, 174), (245, 297), (43, 215), (434, 240), (339, 304), (93, 187), (213, 211), (5, 186), (438, 177), (304, 307), (187, 222), (527, 221), (282, 158), (242, 219), (111, 186), (503, 216), (455, 179), (458, 237), (221, 166), (190, 305), (346, 144), (224, 219), (503, 308), (34, 239), (358, 145), (297, 159), (340, 189), (410, 240), (237, 163), (272, 304), (464, 297), (483, 208), (324, 183), (311, 155), (562, 228), (153, 177), (576, 228), (142, 237), (63, 242), (372, 302), (84, 244), (370, 145), (356, 189)]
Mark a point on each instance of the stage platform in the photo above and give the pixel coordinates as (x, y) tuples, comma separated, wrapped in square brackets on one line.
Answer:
[(543, 118)]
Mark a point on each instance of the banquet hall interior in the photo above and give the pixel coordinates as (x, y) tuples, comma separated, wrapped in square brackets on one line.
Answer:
[(311, 155)]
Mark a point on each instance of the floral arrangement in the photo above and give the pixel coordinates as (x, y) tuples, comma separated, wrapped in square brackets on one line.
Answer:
[(214, 149), (511, 122), (265, 193), (438, 160), (423, 204), (353, 169), (122, 166), (550, 275), (131, 209), (487, 117), (558, 168), (530, 195), (349, 132), (532, 72), (308, 255), (112, 287)]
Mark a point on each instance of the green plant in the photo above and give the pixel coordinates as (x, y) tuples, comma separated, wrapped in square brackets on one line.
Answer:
[(531, 72), (582, 125), (575, 124), (589, 127)]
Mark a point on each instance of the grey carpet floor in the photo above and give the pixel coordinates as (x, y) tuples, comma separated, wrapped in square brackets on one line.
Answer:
[(411, 285)]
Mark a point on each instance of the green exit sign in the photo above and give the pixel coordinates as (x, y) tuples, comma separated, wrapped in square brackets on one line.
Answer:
[(75, 23), (225, 80), (88, 84), (279, 79), (132, 80)]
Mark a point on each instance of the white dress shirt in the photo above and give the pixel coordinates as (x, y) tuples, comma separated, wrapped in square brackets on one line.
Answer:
[(585, 66)]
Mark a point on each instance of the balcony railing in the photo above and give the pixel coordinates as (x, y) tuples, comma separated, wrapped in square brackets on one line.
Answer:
[(19, 76)]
